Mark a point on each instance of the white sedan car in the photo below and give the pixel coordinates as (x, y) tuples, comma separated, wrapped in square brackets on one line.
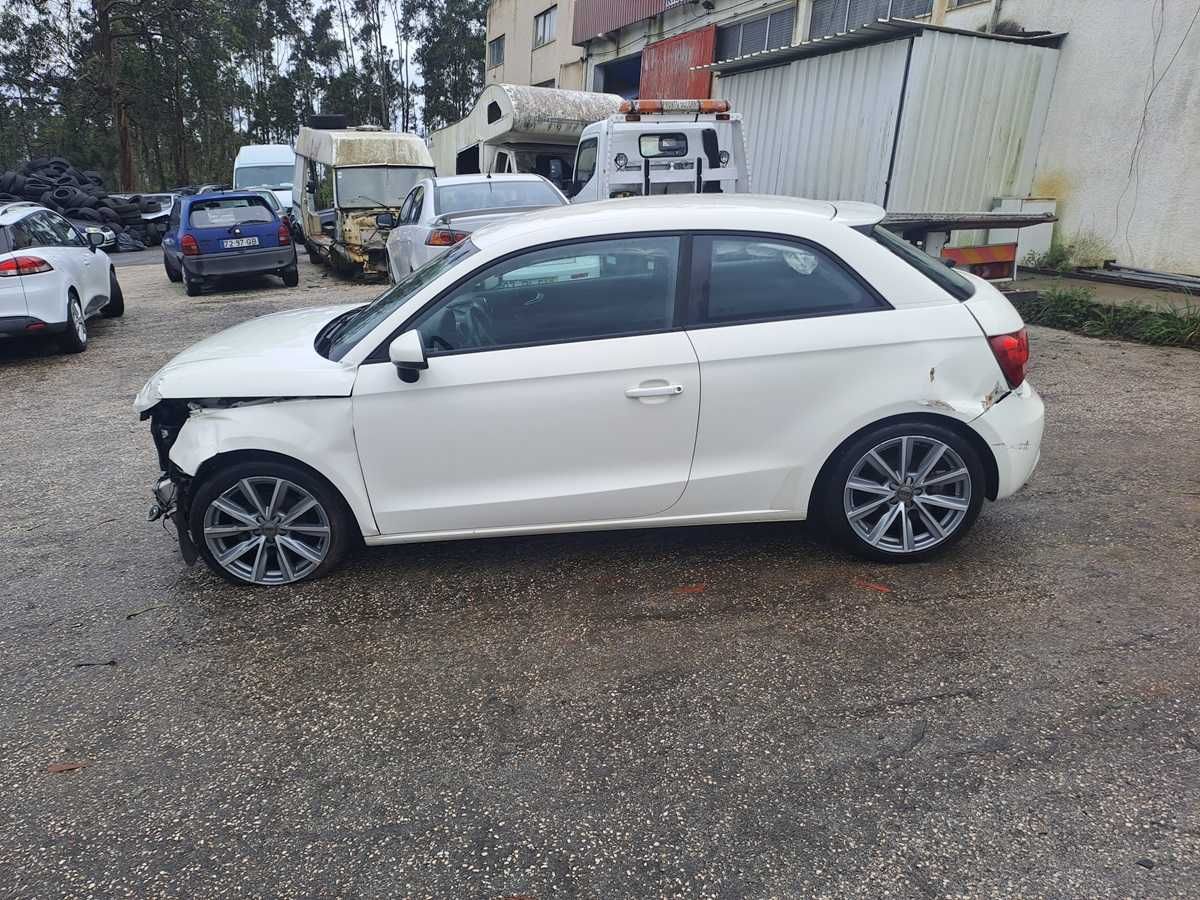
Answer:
[(52, 278), (647, 362), (440, 212)]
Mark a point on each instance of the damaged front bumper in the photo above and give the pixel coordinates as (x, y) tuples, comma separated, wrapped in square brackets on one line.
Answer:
[(167, 492)]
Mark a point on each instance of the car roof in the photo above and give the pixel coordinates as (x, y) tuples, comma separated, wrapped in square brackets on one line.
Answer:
[(479, 179), (15, 210), (268, 154), (677, 212)]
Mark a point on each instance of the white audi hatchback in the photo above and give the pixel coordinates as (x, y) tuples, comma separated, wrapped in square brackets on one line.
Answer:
[(626, 364)]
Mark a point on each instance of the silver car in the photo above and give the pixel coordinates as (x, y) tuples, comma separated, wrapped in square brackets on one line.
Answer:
[(440, 212)]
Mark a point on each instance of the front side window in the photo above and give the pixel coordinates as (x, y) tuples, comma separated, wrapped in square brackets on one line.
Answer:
[(496, 51), (933, 269), (64, 232), (543, 27), (749, 278), (592, 289), (585, 161), (228, 212)]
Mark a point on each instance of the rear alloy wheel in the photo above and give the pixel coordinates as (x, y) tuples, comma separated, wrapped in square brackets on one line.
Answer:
[(905, 492), (269, 524), (74, 339)]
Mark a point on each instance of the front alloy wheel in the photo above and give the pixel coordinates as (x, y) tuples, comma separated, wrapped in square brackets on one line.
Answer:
[(267, 530)]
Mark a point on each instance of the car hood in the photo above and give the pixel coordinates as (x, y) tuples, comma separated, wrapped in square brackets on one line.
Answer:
[(271, 356)]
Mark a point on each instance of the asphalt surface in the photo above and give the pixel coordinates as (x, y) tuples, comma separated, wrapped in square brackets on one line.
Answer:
[(703, 712)]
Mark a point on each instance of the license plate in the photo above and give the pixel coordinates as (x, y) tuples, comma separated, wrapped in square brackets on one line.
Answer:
[(234, 243)]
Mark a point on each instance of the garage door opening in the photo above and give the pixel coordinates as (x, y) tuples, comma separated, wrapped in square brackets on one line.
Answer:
[(622, 77)]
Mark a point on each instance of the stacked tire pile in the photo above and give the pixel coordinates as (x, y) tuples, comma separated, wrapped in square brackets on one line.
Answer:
[(80, 195)]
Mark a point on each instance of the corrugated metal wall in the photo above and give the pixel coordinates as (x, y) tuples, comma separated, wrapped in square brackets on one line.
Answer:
[(666, 66), (595, 17), (973, 121), (973, 116), (821, 127)]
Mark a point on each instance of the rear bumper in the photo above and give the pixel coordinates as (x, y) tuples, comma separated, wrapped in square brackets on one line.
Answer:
[(240, 262), (27, 326), (1013, 430)]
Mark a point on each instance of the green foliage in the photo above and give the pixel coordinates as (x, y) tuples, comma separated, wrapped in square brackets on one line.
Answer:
[(167, 91), (1073, 309), (1085, 249)]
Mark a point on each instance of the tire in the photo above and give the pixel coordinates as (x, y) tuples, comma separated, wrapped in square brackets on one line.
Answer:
[(74, 339), (313, 256), (194, 287), (893, 516), (172, 274), (115, 307), (259, 520), (290, 275)]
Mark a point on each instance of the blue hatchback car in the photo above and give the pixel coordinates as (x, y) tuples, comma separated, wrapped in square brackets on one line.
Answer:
[(227, 233)]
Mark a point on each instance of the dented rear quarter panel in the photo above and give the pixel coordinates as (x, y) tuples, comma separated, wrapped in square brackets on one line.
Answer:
[(316, 432)]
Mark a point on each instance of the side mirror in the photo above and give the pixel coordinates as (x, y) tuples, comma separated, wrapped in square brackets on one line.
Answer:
[(408, 356), (311, 187), (556, 172), (385, 220), (95, 239)]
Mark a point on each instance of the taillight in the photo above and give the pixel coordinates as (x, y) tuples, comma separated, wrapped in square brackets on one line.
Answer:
[(189, 245), (285, 234), (24, 265), (444, 237), (1012, 353)]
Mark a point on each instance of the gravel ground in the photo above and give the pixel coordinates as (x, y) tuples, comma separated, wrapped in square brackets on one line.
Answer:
[(724, 711)]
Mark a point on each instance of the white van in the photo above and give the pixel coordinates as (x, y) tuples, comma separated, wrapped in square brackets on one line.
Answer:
[(266, 165)]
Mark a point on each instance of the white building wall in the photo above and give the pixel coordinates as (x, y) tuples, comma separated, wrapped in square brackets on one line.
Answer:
[(1130, 186)]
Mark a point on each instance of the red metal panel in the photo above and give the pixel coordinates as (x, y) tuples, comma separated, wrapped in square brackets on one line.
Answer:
[(597, 17), (666, 66)]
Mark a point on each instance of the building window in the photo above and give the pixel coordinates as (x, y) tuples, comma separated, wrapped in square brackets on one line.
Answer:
[(549, 82), (836, 16), (496, 51), (543, 27), (754, 35)]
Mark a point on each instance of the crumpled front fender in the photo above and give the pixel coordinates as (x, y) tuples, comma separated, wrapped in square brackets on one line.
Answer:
[(317, 432)]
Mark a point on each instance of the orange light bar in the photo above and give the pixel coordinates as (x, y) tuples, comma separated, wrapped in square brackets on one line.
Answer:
[(675, 106)]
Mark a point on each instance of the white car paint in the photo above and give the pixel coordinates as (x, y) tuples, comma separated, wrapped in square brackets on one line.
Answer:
[(556, 437), (419, 216), (42, 297)]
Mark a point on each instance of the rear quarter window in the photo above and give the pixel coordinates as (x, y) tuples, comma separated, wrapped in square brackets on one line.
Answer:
[(934, 269), (230, 211)]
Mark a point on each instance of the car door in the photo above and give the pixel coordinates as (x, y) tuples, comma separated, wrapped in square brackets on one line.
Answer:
[(51, 244), (170, 239), (792, 344), (558, 391), (93, 267)]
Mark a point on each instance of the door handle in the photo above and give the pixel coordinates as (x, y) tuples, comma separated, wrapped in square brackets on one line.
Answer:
[(662, 390)]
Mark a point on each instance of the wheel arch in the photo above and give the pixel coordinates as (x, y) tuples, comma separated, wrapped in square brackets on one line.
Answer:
[(972, 437), (227, 458)]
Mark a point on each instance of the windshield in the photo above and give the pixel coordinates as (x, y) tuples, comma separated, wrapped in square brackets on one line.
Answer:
[(276, 177), (370, 187), (347, 332), (933, 269), (227, 213), (494, 193)]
